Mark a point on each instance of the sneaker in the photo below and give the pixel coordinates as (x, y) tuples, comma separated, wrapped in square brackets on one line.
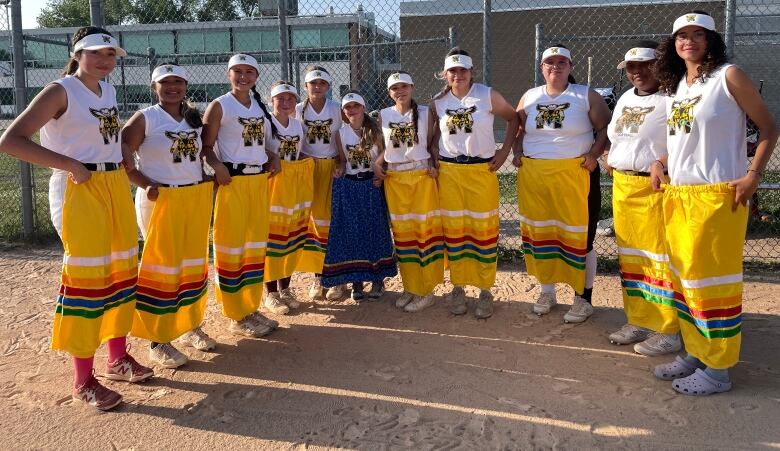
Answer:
[(629, 334), (580, 311), (128, 370), (458, 301), (357, 292), (288, 298), (249, 328), (274, 304), (484, 307), (377, 289), (198, 340), (166, 355), (263, 320), (419, 303), (659, 344), (404, 299), (96, 395), (316, 292), (544, 303), (335, 293)]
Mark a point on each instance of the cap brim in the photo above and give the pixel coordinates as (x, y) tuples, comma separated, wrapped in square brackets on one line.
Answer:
[(120, 52), (164, 76), (623, 64)]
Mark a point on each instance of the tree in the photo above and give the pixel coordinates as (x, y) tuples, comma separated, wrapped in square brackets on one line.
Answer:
[(75, 13), (212, 10)]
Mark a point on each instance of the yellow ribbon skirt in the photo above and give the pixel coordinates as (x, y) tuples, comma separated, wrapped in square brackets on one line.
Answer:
[(319, 223)]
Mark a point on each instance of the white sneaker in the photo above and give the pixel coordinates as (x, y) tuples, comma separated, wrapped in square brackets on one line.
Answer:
[(263, 320), (316, 292), (274, 304), (404, 299), (629, 334), (419, 303), (335, 293), (580, 311), (198, 340), (288, 298), (659, 344), (544, 303), (249, 328), (165, 355)]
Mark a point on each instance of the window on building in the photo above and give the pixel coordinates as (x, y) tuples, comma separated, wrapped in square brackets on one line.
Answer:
[(334, 37), (306, 38), (247, 40)]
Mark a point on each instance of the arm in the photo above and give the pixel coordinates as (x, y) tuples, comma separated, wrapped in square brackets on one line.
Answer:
[(748, 98), (503, 109), (599, 117), (273, 165), (211, 120), (133, 134), (380, 174), (433, 138), (50, 103), (517, 146), (341, 159), (658, 173)]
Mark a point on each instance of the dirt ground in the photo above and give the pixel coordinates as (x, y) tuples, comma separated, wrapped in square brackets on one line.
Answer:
[(340, 375)]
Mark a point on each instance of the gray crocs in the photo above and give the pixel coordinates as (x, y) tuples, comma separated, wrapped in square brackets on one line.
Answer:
[(674, 370), (700, 384)]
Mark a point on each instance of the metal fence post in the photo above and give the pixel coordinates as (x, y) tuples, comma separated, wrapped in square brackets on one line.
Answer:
[(453, 37), (20, 96), (487, 7), (284, 61), (538, 49), (731, 14), (96, 13)]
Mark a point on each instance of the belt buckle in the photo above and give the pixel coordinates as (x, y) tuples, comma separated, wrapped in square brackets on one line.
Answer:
[(100, 167), (252, 169), (461, 158)]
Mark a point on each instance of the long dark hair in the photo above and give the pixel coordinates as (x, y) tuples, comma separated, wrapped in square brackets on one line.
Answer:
[(187, 109), (415, 113), (441, 75), (308, 69), (72, 65), (669, 68)]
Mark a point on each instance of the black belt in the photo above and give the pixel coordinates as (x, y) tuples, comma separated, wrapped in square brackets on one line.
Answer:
[(636, 173), (165, 185), (360, 176), (465, 159), (101, 167), (235, 169)]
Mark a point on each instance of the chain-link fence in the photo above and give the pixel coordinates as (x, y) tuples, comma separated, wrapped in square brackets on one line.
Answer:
[(361, 43)]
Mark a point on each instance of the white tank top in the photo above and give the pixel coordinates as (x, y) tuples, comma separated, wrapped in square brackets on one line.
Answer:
[(290, 140), (637, 131), (88, 130), (466, 124), (242, 132), (557, 127), (398, 132), (170, 152), (319, 129), (706, 133), (358, 160)]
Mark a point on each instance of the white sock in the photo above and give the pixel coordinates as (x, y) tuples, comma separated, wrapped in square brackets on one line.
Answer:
[(548, 288), (591, 260)]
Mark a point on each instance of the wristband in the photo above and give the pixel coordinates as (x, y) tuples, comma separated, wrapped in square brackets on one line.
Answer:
[(663, 166)]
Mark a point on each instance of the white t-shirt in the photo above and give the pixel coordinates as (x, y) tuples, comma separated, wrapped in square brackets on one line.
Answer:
[(243, 131), (557, 127), (88, 130), (637, 131), (170, 152), (398, 132), (706, 133), (319, 128), (358, 159), (466, 124), (290, 140)]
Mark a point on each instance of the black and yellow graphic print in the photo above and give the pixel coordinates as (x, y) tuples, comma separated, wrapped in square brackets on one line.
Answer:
[(254, 130), (681, 116), (184, 145), (401, 133), (109, 123), (460, 119), (358, 157), (552, 114), (318, 130), (288, 147), (631, 118)]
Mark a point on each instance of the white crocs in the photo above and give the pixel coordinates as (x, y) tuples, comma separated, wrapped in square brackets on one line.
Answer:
[(700, 384), (674, 370)]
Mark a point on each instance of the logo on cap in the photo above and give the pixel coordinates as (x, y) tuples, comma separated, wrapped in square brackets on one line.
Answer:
[(691, 17), (396, 76), (554, 50), (169, 68), (106, 38), (318, 74), (633, 52), (350, 96), (455, 59), (287, 87)]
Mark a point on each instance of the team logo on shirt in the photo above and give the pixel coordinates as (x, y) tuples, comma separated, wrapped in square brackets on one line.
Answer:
[(288, 147), (253, 130), (109, 123), (184, 146), (358, 157), (318, 130), (401, 132), (681, 116), (460, 119), (551, 114), (632, 118)]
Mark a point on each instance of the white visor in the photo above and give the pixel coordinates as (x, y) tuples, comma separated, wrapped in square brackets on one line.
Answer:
[(169, 70), (242, 58), (637, 54), (98, 41), (352, 97), (398, 77), (318, 75), (700, 20), (463, 61), (556, 51), (279, 89)]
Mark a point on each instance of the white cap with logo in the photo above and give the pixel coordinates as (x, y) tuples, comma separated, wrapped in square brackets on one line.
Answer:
[(242, 58), (169, 70), (280, 89), (699, 20), (637, 54), (352, 97), (98, 41), (556, 51), (463, 61), (399, 77)]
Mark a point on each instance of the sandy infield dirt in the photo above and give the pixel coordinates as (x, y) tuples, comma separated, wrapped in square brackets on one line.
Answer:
[(368, 376)]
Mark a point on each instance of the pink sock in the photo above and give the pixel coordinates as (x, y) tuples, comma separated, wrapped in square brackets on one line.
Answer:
[(82, 369), (117, 348)]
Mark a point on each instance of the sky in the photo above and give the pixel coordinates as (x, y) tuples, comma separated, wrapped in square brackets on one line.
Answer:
[(30, 11)]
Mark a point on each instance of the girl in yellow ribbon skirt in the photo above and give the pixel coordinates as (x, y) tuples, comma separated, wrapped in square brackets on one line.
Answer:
[(291, 195), (240, 124), (705, 202), (412, 194), (91, 208), (173, 275), (468, 185), (558, 182)]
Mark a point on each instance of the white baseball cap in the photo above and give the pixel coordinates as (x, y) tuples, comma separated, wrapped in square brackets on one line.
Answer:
[(352, 97), (245, 59), (700, 20), (556, 51), (399, 77), (637, 54), (463, 61), (98, 41), (317, 74), (169, 70), (279, 89)]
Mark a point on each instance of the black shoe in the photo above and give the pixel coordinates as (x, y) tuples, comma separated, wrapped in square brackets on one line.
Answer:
[(357, 292), (377, 290)]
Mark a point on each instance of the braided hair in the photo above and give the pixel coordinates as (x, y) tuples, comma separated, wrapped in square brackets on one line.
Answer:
[(256, 95)]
